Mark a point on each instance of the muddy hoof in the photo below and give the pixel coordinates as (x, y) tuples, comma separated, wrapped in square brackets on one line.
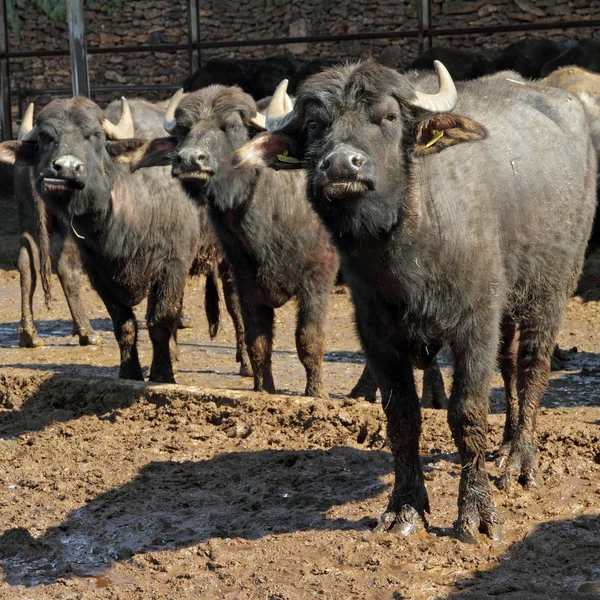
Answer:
[(521, 466), (28, 340), (404, 522), (185, 321), (468, 529), (90, 339)]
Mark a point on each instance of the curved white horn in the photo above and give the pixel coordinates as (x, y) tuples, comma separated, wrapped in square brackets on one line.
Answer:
[(281, 108), (26, 123), (445, 99), (169, 120), (124, 128)]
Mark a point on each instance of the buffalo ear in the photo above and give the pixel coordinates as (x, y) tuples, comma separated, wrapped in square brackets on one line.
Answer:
[(441, 130), (143, 153), (18, 150), (275, 150)]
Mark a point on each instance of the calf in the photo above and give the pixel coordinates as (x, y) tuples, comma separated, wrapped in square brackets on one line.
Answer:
[(136, 237), (462, 228), (274, 241)]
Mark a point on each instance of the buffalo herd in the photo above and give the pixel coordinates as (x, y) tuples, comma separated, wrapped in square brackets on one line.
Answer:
[(457, 205)]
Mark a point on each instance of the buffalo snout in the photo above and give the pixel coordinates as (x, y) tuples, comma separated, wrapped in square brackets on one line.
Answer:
[(66, 173), (345, 161), (191, 161)]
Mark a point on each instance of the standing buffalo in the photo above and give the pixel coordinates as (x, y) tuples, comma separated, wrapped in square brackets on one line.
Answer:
[(136, 237), (454, 227), (273, 239), (35, 226)]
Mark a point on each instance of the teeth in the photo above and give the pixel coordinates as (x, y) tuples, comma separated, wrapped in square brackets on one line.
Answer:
[(194, 175)]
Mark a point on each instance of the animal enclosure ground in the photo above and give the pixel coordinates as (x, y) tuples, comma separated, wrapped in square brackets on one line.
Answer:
[(122, 490)]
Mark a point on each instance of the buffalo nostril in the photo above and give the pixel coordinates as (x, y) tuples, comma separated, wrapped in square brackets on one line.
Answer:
[(200, 156), (78, 168), (325, 165), (357, 161), (57, 167)]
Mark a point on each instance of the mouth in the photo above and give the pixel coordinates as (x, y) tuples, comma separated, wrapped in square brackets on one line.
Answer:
[(52, 185), (346, 188), (199, 177)]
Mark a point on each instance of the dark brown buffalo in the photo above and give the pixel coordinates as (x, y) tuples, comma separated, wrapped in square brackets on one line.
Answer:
[(136, 237), (461, 219), (273, 239), (36, 224)]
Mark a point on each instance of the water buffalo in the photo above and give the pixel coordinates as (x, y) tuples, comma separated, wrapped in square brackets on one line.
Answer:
[(35, 227), (458, 223), (273, 239), (133, 242), (585, 53), (209, 260)]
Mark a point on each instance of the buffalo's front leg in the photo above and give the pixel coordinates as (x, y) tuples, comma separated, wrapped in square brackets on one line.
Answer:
[(28, 260), (310, 339), (408, 503), (467, 417), (258, 325), (165, 303), (69, 272)]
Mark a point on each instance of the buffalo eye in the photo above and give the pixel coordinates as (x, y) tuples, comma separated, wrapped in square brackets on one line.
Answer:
[(312, 124), (391, 117), (45, 138), (96, 135)]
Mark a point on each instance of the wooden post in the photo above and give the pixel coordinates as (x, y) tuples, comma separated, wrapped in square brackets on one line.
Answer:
[(79, 64)]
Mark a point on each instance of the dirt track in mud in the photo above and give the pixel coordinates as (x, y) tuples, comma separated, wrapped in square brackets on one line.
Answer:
[(123, 490)]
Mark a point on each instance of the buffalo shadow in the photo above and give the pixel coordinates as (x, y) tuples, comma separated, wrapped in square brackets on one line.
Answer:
[(172, 505)]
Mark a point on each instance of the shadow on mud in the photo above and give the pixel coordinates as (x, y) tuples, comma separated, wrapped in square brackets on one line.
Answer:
[(560, 560), (174, 505)]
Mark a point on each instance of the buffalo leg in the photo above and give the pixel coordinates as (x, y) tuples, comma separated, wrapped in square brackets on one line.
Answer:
[(408, 503), (533, 369), (508, 368), (69, 272), (27, 264), (365, 387), (467, 417), (258, 325), (434, 393), (232, 301), (310, 340), (163, 314)]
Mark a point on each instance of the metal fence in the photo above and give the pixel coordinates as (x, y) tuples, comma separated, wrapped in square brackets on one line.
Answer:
[(78, 51)]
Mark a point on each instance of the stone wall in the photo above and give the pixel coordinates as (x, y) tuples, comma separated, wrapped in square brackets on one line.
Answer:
[(165, 21)]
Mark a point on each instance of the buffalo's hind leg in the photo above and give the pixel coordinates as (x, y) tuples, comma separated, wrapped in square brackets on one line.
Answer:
[(365, 386), (28, 265), (467, 417), (537, 338), (434, 393), (232, 302), (258, 326), (69, 272)]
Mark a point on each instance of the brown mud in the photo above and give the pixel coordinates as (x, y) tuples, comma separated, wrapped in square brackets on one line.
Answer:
[(123, 490)]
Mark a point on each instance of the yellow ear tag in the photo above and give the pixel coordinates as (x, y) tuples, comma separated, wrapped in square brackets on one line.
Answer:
[(436, 136), (170, 155), (287, 159)]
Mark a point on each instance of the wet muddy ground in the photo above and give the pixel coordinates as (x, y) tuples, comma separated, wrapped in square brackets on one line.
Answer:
[(123, 490)]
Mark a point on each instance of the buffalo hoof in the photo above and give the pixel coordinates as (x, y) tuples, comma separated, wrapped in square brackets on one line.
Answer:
[(29, 340), (521, 466), (404, 522), (246, 370), (90, 339), (468, 530), (185, 321), (501, 455)]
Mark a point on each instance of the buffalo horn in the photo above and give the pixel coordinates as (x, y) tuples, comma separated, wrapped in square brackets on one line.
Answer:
[(281, 108), (169, 120), (259, 120), (124, 128), (26, 123), (445, 99)]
